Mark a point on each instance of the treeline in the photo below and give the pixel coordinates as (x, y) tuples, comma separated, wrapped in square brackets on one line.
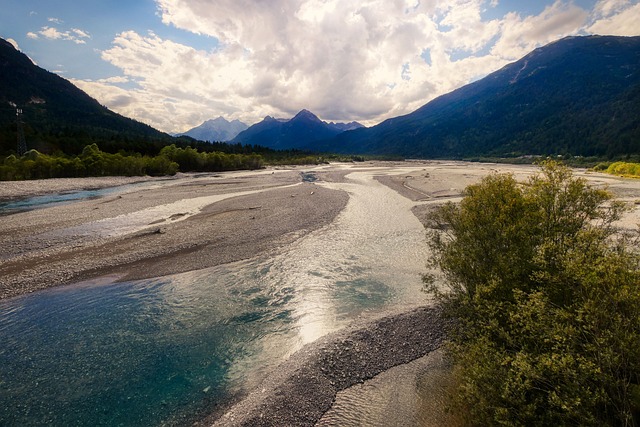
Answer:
[(546, 300), (71, 140), (191, 160), (94, 162), (593, 162)]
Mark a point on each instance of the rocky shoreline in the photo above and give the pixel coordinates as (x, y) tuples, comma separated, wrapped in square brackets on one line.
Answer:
[(304, 387)]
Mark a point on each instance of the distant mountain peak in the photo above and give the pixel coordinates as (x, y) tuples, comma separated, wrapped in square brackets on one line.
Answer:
[(347, 126), (218, 119), (306, 114), (216, 130), (274, 119)]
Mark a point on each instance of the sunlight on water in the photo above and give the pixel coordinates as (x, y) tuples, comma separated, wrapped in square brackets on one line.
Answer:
[(162, 351), (407, 395)]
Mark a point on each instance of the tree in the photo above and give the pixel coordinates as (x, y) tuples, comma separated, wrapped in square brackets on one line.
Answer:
[(546, 299)]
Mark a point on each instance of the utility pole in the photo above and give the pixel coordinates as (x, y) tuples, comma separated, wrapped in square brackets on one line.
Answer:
[(22, 143)]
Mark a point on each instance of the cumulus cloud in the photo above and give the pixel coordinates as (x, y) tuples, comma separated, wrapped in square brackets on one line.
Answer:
[(607, 8), (14, 43), (52, 33), (521, 35), (342, 59), (616, 17)]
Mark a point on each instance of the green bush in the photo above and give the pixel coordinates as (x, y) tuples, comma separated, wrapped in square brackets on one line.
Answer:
[(601, 167), (160, 165), (624, 168), (546, 299)]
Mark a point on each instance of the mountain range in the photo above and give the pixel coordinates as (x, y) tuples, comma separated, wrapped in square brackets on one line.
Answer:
[(578, 96), (216, 130), (301, 131)]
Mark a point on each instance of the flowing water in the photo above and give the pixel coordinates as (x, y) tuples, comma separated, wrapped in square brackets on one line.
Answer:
[(55, 199), (162, 351)]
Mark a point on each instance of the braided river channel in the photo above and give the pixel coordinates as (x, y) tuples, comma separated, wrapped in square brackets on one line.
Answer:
[(167, 350)]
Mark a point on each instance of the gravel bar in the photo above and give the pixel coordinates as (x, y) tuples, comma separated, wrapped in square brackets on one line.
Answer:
[(304, 387)]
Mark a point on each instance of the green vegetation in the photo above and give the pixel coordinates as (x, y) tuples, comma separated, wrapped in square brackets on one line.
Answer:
[(597, 163), (93, 162), (624, 169), (546, 301), (191, 160), (201, 157)]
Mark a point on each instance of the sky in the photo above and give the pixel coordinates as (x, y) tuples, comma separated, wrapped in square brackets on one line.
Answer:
[(175, 63)]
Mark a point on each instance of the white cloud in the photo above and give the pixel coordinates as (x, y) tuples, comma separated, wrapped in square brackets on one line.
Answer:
[(521, 35), (80, 33), (625, 21), (468, 32), (13, 43), (51, 33), (115, 80), (342, 59), (607, 8)]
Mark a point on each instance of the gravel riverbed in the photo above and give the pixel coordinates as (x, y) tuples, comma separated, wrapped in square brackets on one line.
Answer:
[(304, 387), (84, 240)]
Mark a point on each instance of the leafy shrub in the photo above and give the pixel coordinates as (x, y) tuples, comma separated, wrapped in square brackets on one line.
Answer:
[(547, 302), (602, 166), (624, 169)]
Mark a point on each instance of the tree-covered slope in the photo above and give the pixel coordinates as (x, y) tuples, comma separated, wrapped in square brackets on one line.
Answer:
[(578, 96), (59, 116)]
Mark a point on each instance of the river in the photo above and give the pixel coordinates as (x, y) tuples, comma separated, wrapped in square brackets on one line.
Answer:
[(166, 350)]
